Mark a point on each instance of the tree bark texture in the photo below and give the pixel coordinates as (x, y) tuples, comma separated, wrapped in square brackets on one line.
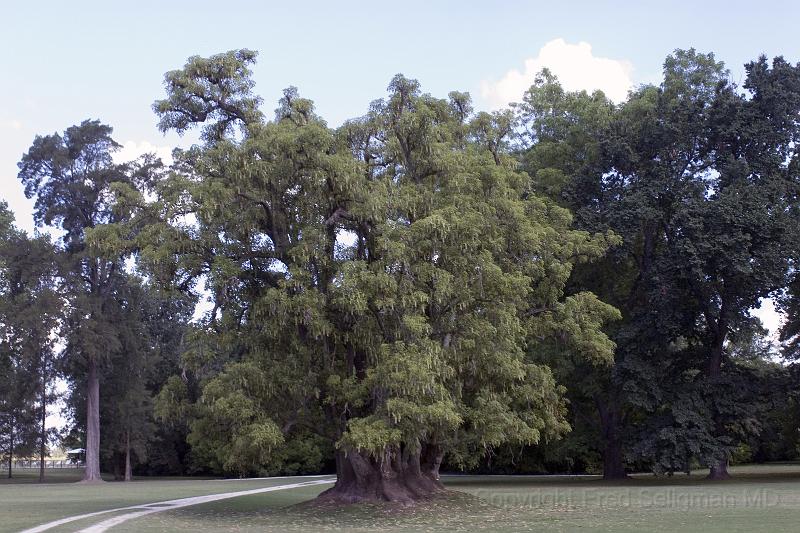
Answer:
[(92, 471), (396, 476), (128, 475), (43, 418)]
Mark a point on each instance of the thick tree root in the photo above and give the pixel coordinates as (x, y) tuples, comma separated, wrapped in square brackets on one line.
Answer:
[(404, 491), (395, 477)]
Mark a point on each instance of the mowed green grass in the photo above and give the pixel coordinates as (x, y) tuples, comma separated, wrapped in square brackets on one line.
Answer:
[(758, 498), (24, 504)]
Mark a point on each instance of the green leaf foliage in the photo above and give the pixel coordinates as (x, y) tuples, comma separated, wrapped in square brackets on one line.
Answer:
[(376, 286)]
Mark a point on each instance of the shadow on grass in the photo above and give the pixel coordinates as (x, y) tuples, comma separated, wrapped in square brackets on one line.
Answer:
[(768, 473), (757, 497)]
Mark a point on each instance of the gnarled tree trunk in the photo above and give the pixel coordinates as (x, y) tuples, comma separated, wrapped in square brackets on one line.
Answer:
[(396, 476), (92, 471)]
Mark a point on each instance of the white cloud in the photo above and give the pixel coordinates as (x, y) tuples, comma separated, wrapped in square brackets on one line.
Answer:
[(131, 150), (574, 64)]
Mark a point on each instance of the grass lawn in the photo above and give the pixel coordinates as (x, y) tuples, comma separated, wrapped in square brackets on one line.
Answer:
[(26, 504), (757, 498)]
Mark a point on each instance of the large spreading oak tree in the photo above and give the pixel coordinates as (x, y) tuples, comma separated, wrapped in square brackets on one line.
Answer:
[(377, 287)]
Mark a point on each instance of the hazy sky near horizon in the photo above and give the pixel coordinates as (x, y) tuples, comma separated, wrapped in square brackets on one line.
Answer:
[(63, 62)]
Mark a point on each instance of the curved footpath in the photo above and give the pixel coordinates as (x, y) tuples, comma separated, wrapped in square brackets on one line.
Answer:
[(157, 507)]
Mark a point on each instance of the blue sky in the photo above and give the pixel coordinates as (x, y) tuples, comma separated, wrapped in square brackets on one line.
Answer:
[(62, 62)]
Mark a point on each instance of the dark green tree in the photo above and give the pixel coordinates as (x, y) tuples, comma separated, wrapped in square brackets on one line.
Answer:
[(72, 177), (699, 178), (29, 317), (735, 236), (151, 328), (561, 146)]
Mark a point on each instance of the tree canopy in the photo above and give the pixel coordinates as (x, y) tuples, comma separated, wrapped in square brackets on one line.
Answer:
[(377, 287), (699, 178), (565, 284)]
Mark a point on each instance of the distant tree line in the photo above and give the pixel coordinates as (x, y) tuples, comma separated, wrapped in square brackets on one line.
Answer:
[(566, 285)]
